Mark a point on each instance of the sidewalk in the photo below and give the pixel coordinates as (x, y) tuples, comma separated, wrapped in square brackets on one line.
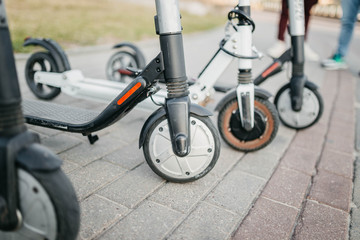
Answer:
[(298, 187)]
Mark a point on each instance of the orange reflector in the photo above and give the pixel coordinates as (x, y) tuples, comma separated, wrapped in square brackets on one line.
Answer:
[(270, 69), (129, 93)]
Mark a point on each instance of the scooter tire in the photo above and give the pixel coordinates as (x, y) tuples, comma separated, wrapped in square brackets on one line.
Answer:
[(113, 74), (309, 114), (265, 126), (58, 216), (47, 63), (205, 150)]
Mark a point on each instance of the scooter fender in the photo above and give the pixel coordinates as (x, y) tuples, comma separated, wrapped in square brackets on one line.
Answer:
[(194, 109), (259, 92), (138, 54), (35, 157), (53, 48)]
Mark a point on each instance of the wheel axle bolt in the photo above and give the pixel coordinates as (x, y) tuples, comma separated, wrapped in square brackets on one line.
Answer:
[(209, 150), (160, 129), (193, 122), (157, 160), (187, 173)]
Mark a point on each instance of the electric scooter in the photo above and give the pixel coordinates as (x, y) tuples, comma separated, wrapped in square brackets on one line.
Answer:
[(37, 200), (179, 140), (247, 120), (299, 103)]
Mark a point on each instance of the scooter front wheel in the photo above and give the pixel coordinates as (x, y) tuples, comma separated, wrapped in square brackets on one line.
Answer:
[(41, 61), (311, 109), (205, 150), (48, 207), (266, 124), (116, 67)]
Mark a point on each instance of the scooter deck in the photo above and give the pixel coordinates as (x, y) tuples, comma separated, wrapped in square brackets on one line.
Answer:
[(47, 114)]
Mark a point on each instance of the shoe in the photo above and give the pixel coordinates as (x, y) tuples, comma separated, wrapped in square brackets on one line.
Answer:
[(277, 49), (335, 63), (310, 54)]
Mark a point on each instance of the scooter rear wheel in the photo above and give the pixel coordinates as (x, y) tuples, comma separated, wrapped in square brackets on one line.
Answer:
[(264, 131), (117, 64), (48, 206), (41, 61), (205, 150), (309, 114)]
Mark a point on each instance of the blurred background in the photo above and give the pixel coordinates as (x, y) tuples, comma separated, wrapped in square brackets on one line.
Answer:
[(93, 22)]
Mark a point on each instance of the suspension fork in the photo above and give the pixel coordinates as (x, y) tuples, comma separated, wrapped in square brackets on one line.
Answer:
[(297, 33), (245, 90), (168, 27)]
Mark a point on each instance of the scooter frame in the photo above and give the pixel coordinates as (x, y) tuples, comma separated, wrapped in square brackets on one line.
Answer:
[(234, 45), (169, 65)]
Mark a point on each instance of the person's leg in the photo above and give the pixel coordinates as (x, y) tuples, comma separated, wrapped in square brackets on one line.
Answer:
[(348, 20), (284, 17), (308, 4)]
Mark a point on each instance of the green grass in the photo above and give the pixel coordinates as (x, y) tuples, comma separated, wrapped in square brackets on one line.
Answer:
[(90, 22)]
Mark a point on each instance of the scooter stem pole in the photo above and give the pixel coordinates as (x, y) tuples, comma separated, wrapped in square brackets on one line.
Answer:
[(11, 118), (297, 33), (168, 27)]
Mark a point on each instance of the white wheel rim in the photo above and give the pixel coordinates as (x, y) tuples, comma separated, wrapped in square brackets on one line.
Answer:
[(199, 158), (38, 213), (309, 110)]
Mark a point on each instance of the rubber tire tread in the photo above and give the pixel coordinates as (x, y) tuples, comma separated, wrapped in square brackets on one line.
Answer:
[(30, 82), (273, 113), (64, 199)]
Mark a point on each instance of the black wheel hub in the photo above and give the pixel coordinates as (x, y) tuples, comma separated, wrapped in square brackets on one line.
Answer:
[(240, 133)]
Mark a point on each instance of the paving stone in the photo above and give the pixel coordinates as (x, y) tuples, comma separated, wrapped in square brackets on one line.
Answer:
[(128, 132), (331, 189), (259, 164), (60, 142), (206, 222), (97, 213), (312, 142), (183, 197), (86, 153), (321, 222), (236, 192), (354, 232), (301, 159), (340, 143), (133, 187), (149, 221), (227, 159), (287, 186), (267, 220), (282, 140), (68, 166), (338, 163), (44, 131), (357, 139), (90, 178), (129, 156)]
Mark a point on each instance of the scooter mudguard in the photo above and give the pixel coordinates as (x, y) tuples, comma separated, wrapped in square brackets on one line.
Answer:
[(194, 108), (54, 49), (259, 92), (38, 158), (138, 54)]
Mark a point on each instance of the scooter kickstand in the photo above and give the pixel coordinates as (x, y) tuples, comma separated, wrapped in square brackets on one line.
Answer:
[(92, 138)]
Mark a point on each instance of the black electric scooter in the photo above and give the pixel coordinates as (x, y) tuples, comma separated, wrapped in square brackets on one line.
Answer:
[(37, 200), (298, 102), (179, 140)]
